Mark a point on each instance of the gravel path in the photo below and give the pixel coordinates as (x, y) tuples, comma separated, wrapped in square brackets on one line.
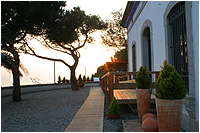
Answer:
[(47, 111)]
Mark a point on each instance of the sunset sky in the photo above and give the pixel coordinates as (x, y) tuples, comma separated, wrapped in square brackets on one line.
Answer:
[(92, 55)]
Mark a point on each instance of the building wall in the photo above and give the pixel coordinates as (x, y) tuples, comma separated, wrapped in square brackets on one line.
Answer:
[(195, 29), (153, 12), (154, 18)]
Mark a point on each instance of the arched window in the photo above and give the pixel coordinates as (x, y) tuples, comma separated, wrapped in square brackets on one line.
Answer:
[(177, 41), (134, 57)]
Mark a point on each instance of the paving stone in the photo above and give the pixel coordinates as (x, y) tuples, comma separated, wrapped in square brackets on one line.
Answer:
[(93, 104), (132, 126), (90, 111), (90, 116), (95, 98), (87, 121), (81, 129)]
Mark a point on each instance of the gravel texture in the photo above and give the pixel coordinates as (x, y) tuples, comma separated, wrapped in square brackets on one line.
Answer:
[(47, 111)]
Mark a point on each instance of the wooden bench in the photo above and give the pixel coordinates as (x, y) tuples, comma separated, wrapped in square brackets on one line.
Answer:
[(128, 96), (123, 91)]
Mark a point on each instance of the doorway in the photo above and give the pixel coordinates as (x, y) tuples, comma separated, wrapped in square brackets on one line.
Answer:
[(146, 49)]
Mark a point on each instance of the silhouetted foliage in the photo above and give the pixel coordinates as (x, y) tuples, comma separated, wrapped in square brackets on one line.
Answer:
[(8, 62), (122, 54), (101, 70), (64, 80), (59, 79), (92, 78), (88, 79), (80, 79), (20, 18), (84, 78), (115, 35), (65, 36)]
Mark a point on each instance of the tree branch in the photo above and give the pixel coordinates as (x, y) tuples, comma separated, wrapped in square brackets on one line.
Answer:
[(54, 48), (86, 37), (24, 34), (47, 58)]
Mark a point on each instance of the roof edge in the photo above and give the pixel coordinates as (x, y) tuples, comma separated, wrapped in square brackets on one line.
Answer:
[(128, 13)]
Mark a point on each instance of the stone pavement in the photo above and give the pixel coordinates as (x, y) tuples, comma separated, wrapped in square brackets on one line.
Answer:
[(90, 116), (132, 125)]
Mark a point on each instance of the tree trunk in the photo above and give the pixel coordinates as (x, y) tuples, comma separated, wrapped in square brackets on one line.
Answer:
[(74, 85), (16, 86), (16, 78)]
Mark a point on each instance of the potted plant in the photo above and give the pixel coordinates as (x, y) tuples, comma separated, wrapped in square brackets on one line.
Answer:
[(92, 78), (143, 92), (84, 78), (100, 77), (88, 79), (113, 109), (63, 80), (59, 79), (100, 80), (170, 92), (67, 80), (80, 82)]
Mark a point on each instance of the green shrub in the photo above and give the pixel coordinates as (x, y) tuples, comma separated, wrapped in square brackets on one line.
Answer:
[(80, 79), (84, 78), (100, 77), (92, 78), (59, 79), (88, 79), (114, 107), (67, 80), (169, 84), (64, 80), (143, 81)]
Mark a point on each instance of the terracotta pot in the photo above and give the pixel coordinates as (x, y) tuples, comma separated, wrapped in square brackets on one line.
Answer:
[(169, 115), (113, 116), (80, 84), (143, 101)]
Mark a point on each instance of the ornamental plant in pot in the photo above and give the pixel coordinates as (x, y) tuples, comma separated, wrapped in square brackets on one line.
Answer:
[(92, 78), (88, 79), (80, 82), (143, 92), (84, 78), (170, 92), (113, 109)]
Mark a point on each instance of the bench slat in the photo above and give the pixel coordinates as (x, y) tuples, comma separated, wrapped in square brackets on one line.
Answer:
[(124, 86), (128, 86), (128, 96)]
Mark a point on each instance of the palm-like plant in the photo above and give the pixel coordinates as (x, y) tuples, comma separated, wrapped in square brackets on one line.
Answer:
[(8, 62)]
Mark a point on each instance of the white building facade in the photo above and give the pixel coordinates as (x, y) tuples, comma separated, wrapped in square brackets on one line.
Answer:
[(167, 30)]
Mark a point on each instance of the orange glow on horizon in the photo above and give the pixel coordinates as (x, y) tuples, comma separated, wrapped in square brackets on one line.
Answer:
[(92, 56)]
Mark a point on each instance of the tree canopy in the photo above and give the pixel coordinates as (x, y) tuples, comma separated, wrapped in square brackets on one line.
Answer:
[(49, 22), (19, 18), (122, 54), (65, 36), (115, 35)]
